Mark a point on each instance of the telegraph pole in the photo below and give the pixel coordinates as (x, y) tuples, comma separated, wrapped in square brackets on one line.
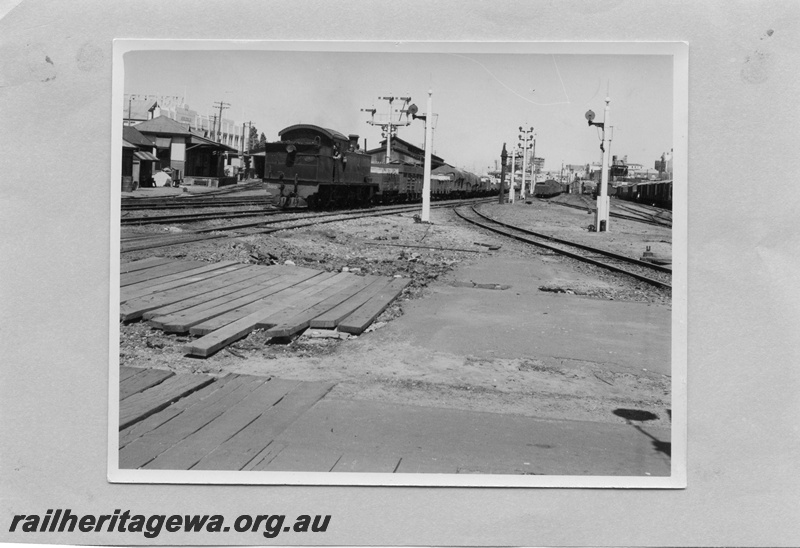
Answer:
[(601, 218), (222, 105), (389, 127), (512, 182), (503, 160), (130, 99), (524, 139)]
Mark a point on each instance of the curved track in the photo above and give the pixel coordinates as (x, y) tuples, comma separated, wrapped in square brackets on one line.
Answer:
[(657, 275), (638, 216)]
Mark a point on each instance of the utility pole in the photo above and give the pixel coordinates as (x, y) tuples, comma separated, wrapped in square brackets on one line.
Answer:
[(601, 217), (130, 98), (524, 139), (533, 168), (222, 105), (242, 160), (503, 160), (512, 182), (389, 127)]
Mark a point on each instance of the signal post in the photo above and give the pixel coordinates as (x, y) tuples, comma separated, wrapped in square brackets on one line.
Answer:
[(603, 206)]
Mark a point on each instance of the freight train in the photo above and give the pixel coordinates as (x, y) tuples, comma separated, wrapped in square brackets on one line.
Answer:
[(319, 168), (655, 193), (548, 189)]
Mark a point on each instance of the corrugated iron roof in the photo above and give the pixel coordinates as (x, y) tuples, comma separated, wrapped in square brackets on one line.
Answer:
[(134, 136), (163, 125), (147, 156)]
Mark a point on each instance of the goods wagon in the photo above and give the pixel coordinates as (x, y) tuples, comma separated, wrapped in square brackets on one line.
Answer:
[(547, 189)]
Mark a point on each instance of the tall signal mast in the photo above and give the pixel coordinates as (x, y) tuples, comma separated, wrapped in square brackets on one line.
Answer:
[(389, 126)]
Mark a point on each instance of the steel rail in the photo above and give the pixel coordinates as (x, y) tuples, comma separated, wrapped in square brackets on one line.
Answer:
[(665, 223), (561, 251), (164, 240), (162, 219)]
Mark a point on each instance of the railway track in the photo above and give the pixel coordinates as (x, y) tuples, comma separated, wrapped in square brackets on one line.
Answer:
[(195, 203), (138, 242), (638, 217), (656, 275), (195, 217)]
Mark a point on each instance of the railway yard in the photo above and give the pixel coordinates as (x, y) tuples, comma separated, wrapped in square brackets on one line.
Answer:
[(482, 347)]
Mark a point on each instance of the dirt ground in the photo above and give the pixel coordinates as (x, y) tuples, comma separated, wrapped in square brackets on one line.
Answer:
[(381, 365)]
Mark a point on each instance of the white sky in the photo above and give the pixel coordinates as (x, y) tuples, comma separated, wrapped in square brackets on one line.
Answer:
[(481, 98)]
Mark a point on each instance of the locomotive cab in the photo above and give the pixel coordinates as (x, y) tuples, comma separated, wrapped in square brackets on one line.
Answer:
[(311, 166)]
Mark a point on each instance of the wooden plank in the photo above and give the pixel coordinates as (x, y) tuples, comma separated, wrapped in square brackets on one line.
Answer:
[(238, 451), (332, 317), (367, 463), (210, 393), (161, 241), (130, 311), (270, 304), (142, 381), (285, 325), (265, 456), (126, 372), (205, 267), (314, 296), (140, 406), (185, 454), (304, 459), (158, 271), (261, 310), (179, 280), (147, 447), (136, 308), (141, 264), (180, 323), (359, 320), (250, 278), (162, 319)]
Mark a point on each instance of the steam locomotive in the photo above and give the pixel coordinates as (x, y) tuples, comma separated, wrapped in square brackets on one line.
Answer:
[(319, 168)]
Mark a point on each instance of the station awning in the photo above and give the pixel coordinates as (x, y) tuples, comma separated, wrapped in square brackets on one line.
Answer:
[(146, 156)]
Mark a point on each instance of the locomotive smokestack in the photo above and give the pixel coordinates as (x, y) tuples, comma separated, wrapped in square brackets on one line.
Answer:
[(353, 141)]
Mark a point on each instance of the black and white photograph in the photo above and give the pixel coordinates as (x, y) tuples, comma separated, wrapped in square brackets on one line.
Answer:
[(425, 264), (452, 273)]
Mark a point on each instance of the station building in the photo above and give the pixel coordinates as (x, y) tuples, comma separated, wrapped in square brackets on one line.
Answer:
[(194, 159)]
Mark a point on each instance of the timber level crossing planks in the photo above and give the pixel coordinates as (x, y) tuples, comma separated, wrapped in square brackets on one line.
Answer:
[(225, 301)]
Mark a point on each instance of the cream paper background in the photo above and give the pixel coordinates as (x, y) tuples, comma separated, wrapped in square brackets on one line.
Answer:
[(55, 130), (676, 54)]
